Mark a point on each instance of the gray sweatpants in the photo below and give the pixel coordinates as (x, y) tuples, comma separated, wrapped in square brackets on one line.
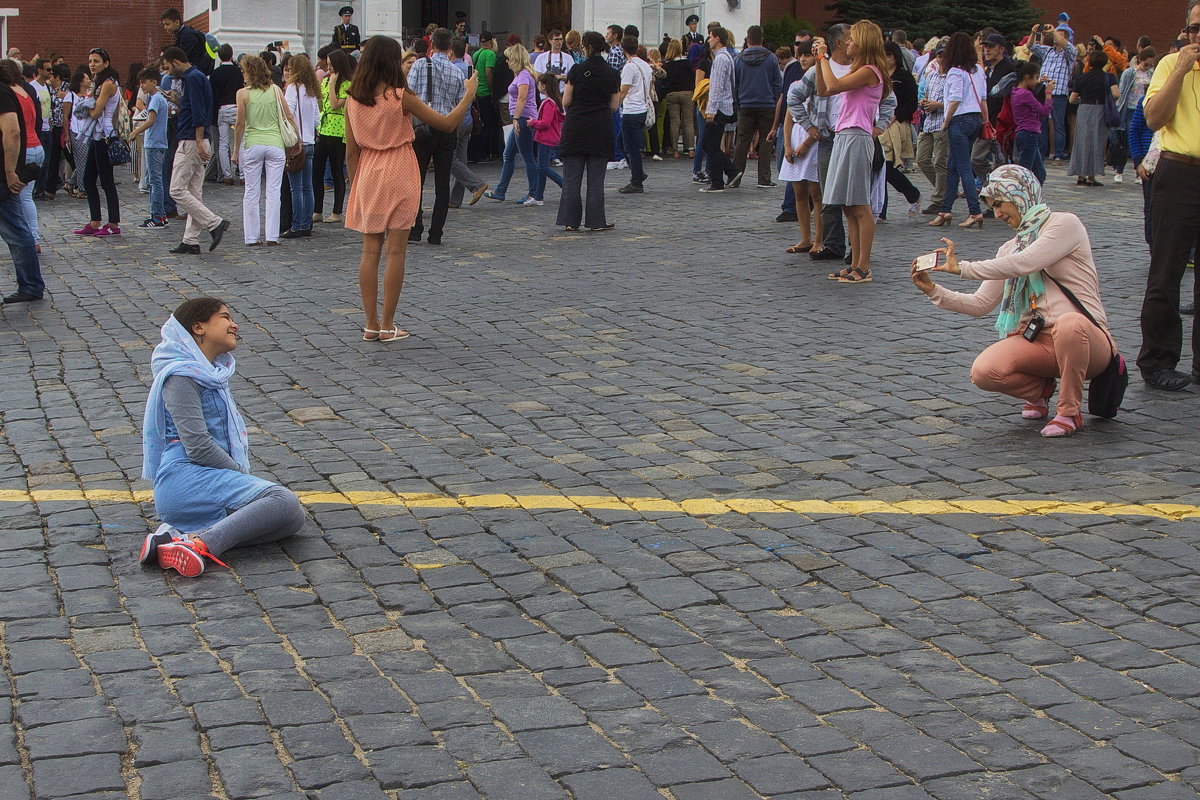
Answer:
[(273, 515)]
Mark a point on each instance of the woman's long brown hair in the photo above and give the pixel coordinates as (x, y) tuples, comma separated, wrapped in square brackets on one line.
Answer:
[(378, 67)]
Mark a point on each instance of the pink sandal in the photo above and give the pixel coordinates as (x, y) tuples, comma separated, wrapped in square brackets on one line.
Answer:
[(1039, 408), (1062, 426)]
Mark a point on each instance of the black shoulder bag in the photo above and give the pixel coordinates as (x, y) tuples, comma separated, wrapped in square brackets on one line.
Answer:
[(1106, 390), (420, 129)]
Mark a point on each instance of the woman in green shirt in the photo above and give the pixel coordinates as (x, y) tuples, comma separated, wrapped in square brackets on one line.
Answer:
[(258, 146), (331, 136)]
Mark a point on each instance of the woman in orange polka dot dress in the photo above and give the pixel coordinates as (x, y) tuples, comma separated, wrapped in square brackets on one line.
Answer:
[(385, 183)]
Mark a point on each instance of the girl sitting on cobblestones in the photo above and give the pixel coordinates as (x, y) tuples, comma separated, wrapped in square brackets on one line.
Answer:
[(195, 449), (1029, 279)]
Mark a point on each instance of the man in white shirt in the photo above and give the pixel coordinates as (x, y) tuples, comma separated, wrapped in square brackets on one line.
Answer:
[(636, 77), (555, 60)]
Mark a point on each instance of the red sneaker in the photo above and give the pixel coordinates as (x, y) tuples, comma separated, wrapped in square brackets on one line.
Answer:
[(186, 556)]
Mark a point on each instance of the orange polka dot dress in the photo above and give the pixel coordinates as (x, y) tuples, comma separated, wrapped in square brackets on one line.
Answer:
[(386, 192)]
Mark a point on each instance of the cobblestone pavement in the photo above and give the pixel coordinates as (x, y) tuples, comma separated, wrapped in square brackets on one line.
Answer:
[(486, 604)]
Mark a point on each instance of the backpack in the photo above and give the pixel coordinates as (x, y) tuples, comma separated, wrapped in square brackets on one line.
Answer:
[(122, 120), (1006, 128)]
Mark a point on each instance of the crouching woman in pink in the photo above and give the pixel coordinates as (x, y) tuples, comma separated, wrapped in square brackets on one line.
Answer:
[(1032, 279)]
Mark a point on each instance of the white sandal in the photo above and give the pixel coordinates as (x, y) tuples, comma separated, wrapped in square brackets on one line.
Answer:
[(392, 334), (367, 337)]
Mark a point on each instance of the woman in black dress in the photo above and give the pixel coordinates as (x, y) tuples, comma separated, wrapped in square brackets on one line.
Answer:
[(590, 98), (1091, 131)]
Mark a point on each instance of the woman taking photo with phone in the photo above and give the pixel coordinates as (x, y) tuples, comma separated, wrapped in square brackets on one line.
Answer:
[(1044, 335)]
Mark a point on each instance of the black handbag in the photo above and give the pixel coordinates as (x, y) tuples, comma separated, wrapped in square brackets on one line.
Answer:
[(1106, 390), (118, 151)]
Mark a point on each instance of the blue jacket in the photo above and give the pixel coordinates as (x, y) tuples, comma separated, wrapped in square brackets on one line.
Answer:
[(758, 81), (1140, 135)]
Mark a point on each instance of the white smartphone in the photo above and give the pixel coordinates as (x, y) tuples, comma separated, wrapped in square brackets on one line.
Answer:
[(927, 262)]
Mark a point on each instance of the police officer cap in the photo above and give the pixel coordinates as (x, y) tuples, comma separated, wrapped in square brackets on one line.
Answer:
[(691, 18), (345, 10)]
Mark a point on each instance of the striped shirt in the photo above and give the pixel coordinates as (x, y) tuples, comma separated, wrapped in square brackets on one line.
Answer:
[(935, 90)]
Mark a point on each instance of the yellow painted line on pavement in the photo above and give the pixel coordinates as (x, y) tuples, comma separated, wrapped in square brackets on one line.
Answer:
[(699, 507)]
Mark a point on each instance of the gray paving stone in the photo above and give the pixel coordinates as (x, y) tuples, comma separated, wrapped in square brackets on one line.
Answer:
[(515, 779)]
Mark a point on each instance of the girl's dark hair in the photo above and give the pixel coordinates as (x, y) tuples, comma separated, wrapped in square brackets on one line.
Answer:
[(131, 79), (594, 42), (77, 79), (343, 65), (549, 83), (1026, 69), (378, 66), (960, 52), (1097, 59), (892, 49), (62, 71), (197, 310)]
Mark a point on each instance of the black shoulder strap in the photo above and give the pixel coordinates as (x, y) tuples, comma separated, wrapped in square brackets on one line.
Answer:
[(429, 81), (1082, 309)]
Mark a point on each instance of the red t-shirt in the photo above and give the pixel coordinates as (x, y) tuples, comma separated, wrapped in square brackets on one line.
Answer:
[(30, 115)]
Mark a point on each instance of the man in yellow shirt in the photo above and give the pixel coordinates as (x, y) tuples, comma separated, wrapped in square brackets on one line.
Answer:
[(1172, 106)]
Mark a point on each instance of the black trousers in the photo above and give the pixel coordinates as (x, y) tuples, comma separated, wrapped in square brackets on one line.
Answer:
[(720, 168), (832, 224), (571, 209), (99, 169), (330, 149), (486, 143), (437, 147), (1175, 220), (900, 182)]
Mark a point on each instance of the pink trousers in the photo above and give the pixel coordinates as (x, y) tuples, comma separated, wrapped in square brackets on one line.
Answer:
[(1072, 350)]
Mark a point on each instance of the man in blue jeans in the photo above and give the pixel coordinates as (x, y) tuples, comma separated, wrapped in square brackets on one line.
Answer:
[(14, 227), (1058, 65), (635, 104)]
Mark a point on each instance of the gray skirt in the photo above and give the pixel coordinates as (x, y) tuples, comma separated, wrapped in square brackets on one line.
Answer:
[(849, 180), (1091, 137)]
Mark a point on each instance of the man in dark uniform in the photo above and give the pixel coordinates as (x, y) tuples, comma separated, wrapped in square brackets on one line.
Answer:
[(692, 36), (346, 36)]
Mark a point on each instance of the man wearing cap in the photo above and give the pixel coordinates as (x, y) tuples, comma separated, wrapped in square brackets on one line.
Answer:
[(346, 36), (692, 36), (996, 65), (1171, 109)]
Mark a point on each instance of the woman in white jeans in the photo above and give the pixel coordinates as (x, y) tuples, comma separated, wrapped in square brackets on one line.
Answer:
[(258, 146)]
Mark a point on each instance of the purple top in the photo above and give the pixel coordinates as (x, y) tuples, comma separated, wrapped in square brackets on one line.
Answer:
[(529, 110), (1027, 112)]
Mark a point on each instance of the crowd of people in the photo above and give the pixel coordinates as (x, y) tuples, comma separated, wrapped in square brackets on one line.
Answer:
[(837, 118)]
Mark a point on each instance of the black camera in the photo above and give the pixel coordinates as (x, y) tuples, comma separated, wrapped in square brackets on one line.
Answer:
[(1036, 323)]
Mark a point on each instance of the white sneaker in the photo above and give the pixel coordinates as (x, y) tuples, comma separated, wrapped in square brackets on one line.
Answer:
[(529, 201), (556, 162), (913, 209), (656, 157), (1118, 178), (613, 165)]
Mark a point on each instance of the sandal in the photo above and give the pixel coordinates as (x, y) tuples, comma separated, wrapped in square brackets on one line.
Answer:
[(803, 247), (370, 335), (1062, 426), (389, 335), (863, 277), (1035, 410), (837, 276)]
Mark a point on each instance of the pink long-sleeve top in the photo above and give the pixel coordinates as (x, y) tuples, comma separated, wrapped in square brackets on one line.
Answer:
[(547, 127), (1062, 249), (1027, 112)]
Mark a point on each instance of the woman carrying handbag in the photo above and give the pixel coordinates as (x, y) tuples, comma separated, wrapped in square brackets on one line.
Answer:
[(258, 145)]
